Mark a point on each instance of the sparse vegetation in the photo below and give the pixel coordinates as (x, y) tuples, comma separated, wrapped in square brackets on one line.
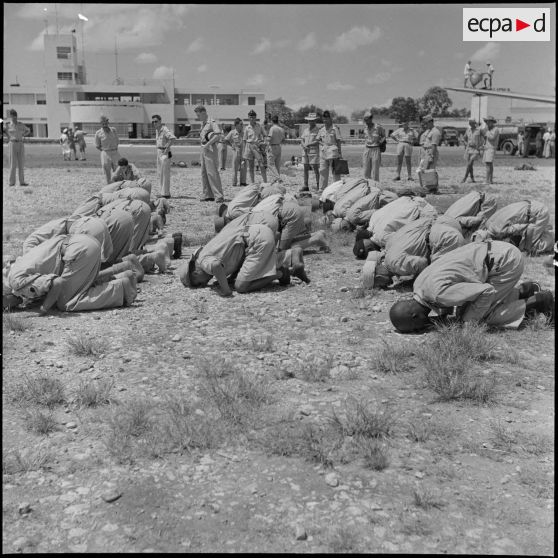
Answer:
[(23, 461), (38, 390), (419, 431), (39, 422), (92, 394), (392, 358), (362, 419), (314, 368), (12, 322), (373, 452), (263, 343), (424, 498), (343, 540), (82, 344)]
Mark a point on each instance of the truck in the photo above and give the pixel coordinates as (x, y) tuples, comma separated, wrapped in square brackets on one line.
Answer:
[(508, 136)]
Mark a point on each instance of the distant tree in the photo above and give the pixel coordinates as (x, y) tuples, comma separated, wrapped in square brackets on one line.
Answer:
[(435, 101), (340, 119), (304, 111), (404, 109), (279, 107), (357, 115)]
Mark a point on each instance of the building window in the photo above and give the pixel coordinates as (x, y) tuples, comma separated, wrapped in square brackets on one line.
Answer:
[(40, 98), (65, 96), (23, 99), (64, 76), (63, 53), (251, 100), (6, 99)]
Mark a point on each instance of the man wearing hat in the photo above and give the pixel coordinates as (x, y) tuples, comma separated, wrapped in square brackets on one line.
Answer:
[(15, 132), (234, 139), (415, 246), (429, 140), (525, 224), (405, 138), (488, 76), (210, 135), (387, 220), (473, 145), (310, 151), (106, 141), (479, 279), (471, 210), (491, 136), (163, 140), (374, 137), (329, 137), (243, 254), (252, 141), (62, 271)]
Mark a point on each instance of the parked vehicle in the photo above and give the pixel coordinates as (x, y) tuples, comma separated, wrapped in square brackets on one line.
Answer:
[(450, 136), (508, 137)]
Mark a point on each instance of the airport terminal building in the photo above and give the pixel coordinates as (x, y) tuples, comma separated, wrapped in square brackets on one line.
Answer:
[(66, 99)]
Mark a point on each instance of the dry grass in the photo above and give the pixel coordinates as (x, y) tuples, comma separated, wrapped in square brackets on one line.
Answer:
[(419, 431), (39, 422), (426, 499), (93, 394), (392, 357), (314, 368), (263, 343), (24, 461), (38, 390), (373, 453), (82, 344), (343, 540), (12, 322), (362, 419)]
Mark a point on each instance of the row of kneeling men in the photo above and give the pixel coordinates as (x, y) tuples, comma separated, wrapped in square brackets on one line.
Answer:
[(93, 258)]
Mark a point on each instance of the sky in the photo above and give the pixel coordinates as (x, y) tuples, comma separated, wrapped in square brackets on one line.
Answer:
[(344, 57)]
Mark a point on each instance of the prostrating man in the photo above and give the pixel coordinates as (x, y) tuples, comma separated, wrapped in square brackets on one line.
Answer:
[(471, 210), (61, 272), (15, 132), (374, 138), (387, 220), (210, 134), (525, 224), (234, 139), (329, 137), (253, 141), (106, 141), (246, 199), (473, 146), (125, 171), (123, 184), (414, 246), (405, 138), (310, 151), (479, 279), (245, 254), (275, 138), (163, 140)]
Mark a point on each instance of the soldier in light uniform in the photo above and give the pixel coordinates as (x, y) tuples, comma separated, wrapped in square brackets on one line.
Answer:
[(310, 151), (245, 200), (234, 139), (429, 140), (106, 141), (252, 142), (15, 132), (329, 137), (525, 224), (275, 138), (480, 280), (125, 171), (374, 136), (389, 219), (163, 140), (491, 136), (472, 210), (245, 254), (210, 134), (473, 146), (405, 138), (415, 246), (223, 147), (61, 272)]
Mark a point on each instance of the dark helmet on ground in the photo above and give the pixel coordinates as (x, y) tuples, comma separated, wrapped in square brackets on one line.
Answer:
[(382, 276), (408, 316)]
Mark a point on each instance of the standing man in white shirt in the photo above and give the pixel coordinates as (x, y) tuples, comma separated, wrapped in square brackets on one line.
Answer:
[(16, 131), (163, 138), (275, 137), (106, 141)]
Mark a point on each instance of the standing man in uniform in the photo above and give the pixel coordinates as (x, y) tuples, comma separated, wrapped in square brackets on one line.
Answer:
[(16, 131), (405, 138), (491, 136), (223, 147), (473, 146), (374, 136), (106, 141), (311, 152), (275, 138), (79, 136), (430, 140), (234, 139), (488, 76), (210, 134), (467, 73), (329, 137), (163, 138), (252, 140)]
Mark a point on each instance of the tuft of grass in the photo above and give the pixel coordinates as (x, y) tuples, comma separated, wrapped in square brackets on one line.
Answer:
[(17, 461), (514, 441), (360, 419), (425, 499), (451, 360), (263, 343), (419, 526), (236, 395), (343, 540), (392, 357), (82, 344), (93, 394), (373, 452), (419, 431), (13, 323), (314, 368), (39, 422), (39, 390), (539, 322)]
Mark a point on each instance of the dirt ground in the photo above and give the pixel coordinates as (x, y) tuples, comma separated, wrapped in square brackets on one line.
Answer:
[(192, 423)]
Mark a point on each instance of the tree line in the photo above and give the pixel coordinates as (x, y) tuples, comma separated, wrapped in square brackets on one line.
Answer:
[(435, 101)]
